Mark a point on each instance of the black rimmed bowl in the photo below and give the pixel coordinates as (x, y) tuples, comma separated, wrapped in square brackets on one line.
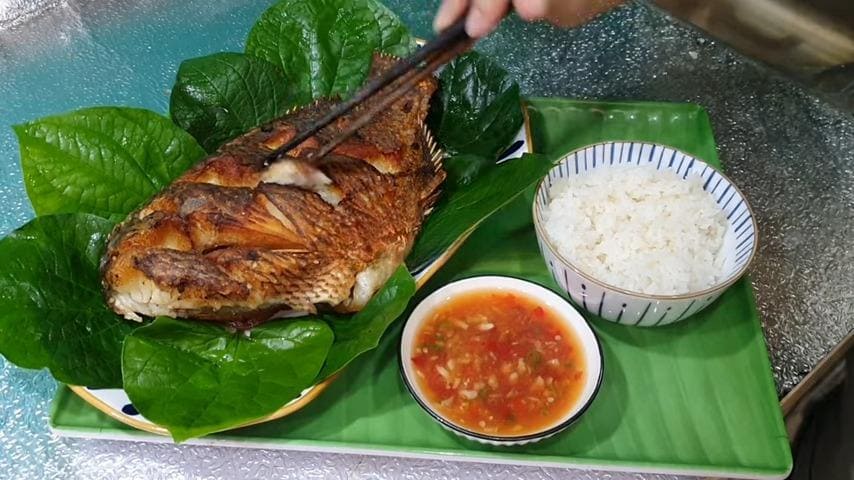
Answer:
[(564, 311)]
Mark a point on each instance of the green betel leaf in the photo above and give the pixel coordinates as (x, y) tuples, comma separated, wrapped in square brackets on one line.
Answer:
[(223, 95), (478, 110), (463, 169), (463, 209), (52, 311), (325, 47), (359, 333), (197, 378), (394, 36), (105, 160)]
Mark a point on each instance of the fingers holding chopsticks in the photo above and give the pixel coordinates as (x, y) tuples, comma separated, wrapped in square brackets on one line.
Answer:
[(449, 11), (483, 16)]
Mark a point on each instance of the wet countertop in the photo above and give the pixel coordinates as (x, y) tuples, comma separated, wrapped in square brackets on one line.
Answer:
[(792, 154)]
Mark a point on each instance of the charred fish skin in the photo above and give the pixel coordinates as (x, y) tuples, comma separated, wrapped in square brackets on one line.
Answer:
[(236, 241)]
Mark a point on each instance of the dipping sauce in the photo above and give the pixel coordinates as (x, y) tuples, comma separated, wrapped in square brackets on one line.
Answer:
[(498, 363)]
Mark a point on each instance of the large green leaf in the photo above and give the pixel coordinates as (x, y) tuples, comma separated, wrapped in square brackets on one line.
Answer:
[(478, 110), (196, 378), (463, 209), (394, 36), (464, 169), (325, 47), (103, 160), (361, 332), (52, 312), (223, 95)]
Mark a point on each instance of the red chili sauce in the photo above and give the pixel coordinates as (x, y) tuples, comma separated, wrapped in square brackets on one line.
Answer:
[(498, 363)]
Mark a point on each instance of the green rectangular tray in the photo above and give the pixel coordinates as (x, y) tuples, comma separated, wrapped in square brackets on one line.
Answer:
[(693, 398)]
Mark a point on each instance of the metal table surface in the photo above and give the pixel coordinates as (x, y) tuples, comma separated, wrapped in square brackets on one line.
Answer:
[(792, 154)]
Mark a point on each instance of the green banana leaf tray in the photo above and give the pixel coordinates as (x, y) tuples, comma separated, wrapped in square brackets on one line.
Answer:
[(693, 398)]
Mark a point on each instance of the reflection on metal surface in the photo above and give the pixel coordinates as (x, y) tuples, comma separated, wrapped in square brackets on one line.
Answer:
[(809, 386), (812, 41), (14, 12)]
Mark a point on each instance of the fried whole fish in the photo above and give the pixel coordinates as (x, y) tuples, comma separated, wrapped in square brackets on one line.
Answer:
[(236, 241)]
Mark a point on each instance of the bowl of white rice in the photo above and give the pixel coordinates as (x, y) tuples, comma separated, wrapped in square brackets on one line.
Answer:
[(642, 234)]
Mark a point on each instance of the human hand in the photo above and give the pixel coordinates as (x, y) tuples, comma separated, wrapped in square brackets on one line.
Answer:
[(484, 15)]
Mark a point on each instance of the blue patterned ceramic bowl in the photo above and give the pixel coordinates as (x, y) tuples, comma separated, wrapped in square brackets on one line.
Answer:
[(633, 308)]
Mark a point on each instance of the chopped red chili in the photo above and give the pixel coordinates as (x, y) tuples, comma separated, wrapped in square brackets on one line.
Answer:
[(498, 363)]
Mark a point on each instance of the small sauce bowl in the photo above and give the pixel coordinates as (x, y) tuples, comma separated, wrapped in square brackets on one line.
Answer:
[(547, 303)]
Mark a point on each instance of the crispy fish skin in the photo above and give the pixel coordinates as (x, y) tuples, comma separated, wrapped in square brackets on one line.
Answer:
[(236, 241)]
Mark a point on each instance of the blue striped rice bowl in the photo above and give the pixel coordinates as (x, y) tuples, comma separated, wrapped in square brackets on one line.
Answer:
[(632, 308)]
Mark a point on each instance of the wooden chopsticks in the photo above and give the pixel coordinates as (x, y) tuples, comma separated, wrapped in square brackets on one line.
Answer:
[(399, 79)]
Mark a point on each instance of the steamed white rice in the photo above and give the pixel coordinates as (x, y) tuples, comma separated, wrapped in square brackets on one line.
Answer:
[(639, 229)]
